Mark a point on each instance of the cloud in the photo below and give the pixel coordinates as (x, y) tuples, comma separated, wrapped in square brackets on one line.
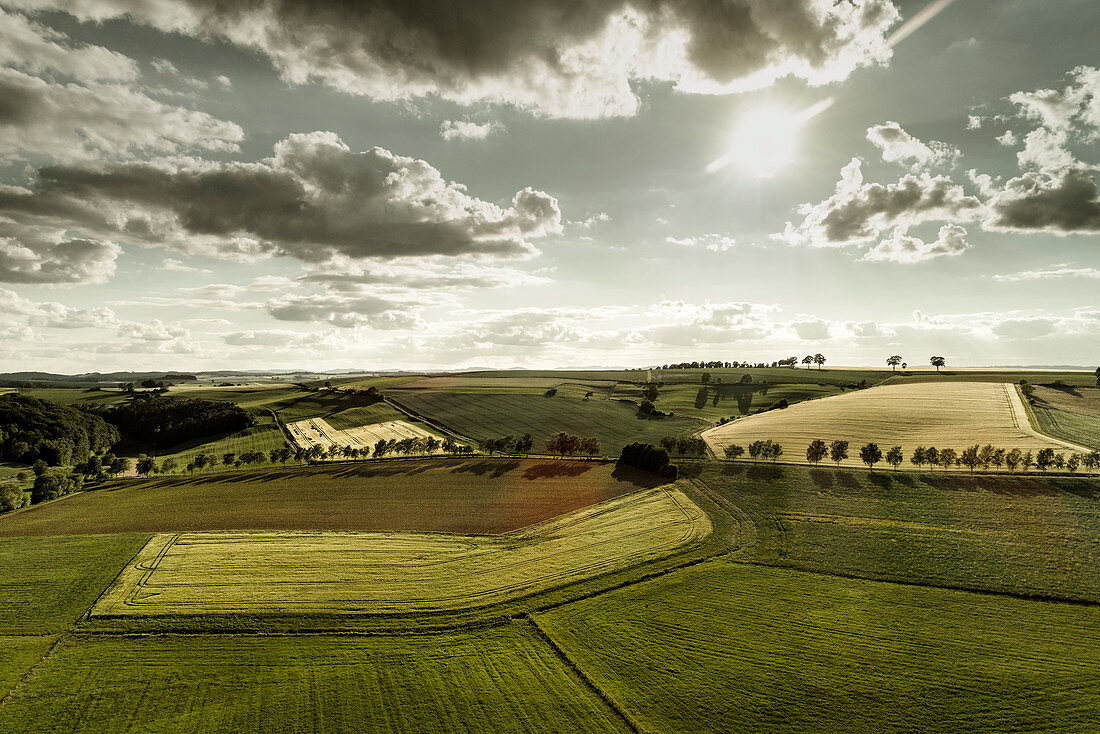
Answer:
[(815, 330), (37, 49), (558, 58), (54, 315), (712, 242), (466, 130), (898, 146), (342, 274), (35, 255), (1036, 202), (98, 111), (858, 212), (173, 265), (344, 311), (1050, 274), (313, 199), (901, 248), (1024, 328)]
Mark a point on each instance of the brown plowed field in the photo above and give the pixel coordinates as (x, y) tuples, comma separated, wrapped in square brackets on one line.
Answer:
[(459, 496)]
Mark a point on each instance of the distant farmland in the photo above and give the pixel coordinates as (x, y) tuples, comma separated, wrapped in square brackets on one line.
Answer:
[(482, 416), (347, 573), (944, 415)]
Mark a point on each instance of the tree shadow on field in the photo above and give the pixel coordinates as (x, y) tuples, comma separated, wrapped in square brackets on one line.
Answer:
[(765, 472), (732, 469), (637, 477), (882, 481), (823, 478), (847, 480), (555, 469), (494, 469)]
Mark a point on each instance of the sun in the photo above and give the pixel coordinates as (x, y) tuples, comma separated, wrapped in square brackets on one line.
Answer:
[(764, 141)]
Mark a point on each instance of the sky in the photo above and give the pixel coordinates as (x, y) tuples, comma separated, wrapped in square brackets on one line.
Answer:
[(424, 184)]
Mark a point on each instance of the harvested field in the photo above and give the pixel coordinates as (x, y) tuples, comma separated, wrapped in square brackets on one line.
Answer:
[(349, 573), (317, 432), (457, 496), (493, 680), (727, 647), (944, 415)]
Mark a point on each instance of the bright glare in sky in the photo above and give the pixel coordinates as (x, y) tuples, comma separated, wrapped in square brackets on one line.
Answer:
[(764, 141)]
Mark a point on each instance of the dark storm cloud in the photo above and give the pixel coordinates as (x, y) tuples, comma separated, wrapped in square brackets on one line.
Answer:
[(312, 200), (568, 58)]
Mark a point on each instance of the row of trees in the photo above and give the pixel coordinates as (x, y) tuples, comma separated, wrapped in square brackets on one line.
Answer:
[(684, 445), (569, 444), (509, 444), (972, 457)]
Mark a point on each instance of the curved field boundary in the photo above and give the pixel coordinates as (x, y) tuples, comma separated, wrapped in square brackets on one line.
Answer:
[(317, 432), (945, 415), (386, 573), (1021, 416)]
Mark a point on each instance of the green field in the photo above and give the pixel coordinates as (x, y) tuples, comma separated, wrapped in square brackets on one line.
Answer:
[(500, 679), (354, 573), (1071, 414), (263, 436), (733, 400), (732, 647), (355, 417), (482, 416), (1015, 534), (20, 655), (48, 582)]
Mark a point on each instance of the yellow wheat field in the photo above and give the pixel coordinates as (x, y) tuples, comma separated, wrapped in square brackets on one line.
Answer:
[(317, 432), (347, 573), (944, 415)]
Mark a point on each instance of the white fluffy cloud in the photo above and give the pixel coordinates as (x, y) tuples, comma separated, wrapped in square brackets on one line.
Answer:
[(44, 255), (858, 212), (557, 58), (898, 146), (466, 130), (902, 248)]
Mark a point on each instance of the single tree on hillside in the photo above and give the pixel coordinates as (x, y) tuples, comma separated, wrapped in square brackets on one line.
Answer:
[(649, 392), (838, 451), (938, 362), (808, 360), (894, 457), (870, 455), (145, 465), (893, 361), (819, 359), (816, 451)]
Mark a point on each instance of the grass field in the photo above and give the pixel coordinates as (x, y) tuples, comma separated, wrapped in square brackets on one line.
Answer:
[(455, 496), (733, 400), (263, 436), (731, 647), (501, 679), (20, 654), (354, 417), (944, 415), (1069, 414), (349, 573), (1019, 535), (48, 582), (482, 416)]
